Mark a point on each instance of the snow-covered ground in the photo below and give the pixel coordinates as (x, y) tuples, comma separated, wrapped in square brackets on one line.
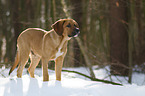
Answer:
[(71, 84)]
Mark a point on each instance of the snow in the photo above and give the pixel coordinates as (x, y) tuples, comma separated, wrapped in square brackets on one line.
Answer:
[(71, 84)]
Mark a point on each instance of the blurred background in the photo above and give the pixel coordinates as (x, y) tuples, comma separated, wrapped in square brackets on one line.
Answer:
[(112, 31)]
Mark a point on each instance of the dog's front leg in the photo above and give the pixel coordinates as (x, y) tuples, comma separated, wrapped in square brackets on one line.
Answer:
[(58, 67), (45, 69)]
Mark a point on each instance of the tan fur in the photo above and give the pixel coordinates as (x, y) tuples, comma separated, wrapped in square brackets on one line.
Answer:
[(45, 45)]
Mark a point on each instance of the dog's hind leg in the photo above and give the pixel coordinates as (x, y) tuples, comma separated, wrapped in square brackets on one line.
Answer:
[(24, 56), (34, 62)]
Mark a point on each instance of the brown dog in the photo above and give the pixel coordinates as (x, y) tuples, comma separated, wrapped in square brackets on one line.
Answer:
[(44, 45)]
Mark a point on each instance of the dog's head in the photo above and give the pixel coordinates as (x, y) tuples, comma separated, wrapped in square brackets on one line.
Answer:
[(66, 27)]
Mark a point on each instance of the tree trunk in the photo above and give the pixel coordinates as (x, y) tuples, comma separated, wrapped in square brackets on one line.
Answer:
[(118, 37), (1, 32), (140, 16), (53, 11), (77, 15), (14, 5)]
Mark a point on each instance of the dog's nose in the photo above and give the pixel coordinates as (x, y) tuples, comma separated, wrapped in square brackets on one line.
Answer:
[(77, 30)]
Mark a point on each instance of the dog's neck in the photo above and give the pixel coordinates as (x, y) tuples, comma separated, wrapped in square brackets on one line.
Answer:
[(64, 41), (60, 39)]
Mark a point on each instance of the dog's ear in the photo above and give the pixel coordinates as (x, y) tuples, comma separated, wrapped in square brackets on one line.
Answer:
[(58, 27)]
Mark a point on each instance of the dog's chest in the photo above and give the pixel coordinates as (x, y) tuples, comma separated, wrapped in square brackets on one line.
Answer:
[(59, 53)]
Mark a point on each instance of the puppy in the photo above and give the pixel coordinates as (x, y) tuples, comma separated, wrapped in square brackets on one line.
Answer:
[(45, 45)]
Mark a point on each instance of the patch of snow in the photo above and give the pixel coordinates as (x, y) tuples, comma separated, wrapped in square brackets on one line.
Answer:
[(71, 85)]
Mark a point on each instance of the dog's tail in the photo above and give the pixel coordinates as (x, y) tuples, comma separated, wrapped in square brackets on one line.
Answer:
[(15, 63)]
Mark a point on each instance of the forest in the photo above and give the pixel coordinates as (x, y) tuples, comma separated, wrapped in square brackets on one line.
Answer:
[(112, 32)]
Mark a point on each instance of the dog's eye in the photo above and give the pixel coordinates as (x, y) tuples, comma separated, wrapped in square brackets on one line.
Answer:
[(68, 25)]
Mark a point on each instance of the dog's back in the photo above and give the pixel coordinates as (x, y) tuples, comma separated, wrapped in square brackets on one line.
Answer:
[(32, 38)]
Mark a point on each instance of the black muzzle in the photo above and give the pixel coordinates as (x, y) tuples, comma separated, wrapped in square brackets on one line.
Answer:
[(75, 33)]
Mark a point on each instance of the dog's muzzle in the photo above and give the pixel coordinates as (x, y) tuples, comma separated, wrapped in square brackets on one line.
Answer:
[(75, 33)]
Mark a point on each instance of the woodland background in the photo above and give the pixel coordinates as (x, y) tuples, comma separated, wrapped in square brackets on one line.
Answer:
[(112, 31)]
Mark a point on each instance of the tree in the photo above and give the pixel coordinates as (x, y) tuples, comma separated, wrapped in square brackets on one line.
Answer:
[(76, 15), (14, 9), (118, 37), (1, 32)]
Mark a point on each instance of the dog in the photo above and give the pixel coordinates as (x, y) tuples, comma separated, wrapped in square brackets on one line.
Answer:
[(39, 44)]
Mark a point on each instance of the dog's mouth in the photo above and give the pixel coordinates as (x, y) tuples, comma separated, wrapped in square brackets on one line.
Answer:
[(75, 33)]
